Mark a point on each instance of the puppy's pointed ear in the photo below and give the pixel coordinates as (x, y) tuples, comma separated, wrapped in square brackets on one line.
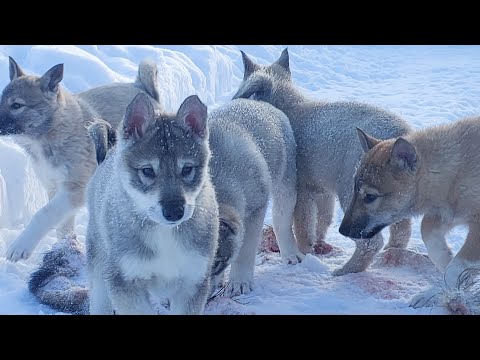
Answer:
[(284, 60), (249, 66), (50, 80), (404, 155), (15, 70), (193, 115), (138, 116), (366, 140)]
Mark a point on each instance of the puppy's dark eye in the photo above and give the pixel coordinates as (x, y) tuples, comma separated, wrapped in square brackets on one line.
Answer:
[(187, 170), (369, 198), (148, 172), (16, 106)]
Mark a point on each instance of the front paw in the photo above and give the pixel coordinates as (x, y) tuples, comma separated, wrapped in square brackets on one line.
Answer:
[(293, 258), (239, 283), (20, 249), (235, 288), (428, 298), (324, 248), (305, 249), (349, 268)]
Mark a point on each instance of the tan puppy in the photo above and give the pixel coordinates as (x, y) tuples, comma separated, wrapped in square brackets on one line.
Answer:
[(433, 172)]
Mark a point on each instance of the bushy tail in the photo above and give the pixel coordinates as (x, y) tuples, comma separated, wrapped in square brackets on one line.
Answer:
[(56, 283), (104, 137), (147, 78)]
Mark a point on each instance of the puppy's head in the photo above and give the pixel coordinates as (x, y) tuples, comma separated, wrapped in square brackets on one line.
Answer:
[(28, 102), (261, 82), (385, 186), (163, 158)]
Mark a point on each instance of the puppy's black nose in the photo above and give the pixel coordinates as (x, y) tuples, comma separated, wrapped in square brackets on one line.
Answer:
[(173, 210)]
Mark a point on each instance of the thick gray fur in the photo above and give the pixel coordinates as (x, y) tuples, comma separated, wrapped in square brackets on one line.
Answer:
[(110, 101), (57, 282), (328, 152), (253, 158), (132, 251)]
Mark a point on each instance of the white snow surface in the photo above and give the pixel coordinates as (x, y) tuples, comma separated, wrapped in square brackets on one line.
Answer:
[(426, 85)]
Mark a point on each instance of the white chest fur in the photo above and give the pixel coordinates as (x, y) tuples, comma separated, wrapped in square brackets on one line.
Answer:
[(171, 262), (50, 177)]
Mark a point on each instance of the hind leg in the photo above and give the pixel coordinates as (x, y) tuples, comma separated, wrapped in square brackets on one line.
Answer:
[(304, 218), (365, 251), (325, 201), (399, 234), (284, 200), (241, 271)]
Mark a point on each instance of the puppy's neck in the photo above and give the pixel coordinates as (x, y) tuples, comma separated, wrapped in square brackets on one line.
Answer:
[(288, 98), (436, 174)]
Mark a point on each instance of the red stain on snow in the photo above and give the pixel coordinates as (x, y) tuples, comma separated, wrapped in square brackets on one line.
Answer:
[(402, 257), (269, 244), (381, 287)]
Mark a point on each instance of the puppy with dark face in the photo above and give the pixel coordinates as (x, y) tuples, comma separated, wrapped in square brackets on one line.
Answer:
[(253, 159), (153, 226), (165, 171), (327, 155)]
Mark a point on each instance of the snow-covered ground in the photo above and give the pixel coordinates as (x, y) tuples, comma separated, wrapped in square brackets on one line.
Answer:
[(426, 85)]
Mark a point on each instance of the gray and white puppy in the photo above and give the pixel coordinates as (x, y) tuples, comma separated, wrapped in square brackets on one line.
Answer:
[(153, 216), (50, 124), (328, 152), (253, 159)]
